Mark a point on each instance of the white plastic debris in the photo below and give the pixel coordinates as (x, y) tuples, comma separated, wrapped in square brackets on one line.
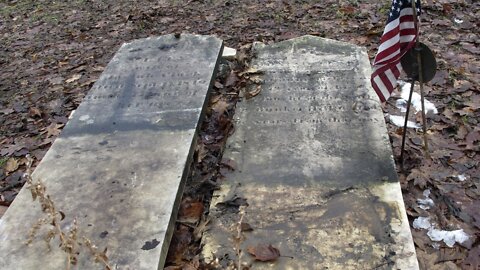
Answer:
[(426, 203), (399, 121), (416, 100), (461, 177), (457, 20), (422, 223), (449, 237)]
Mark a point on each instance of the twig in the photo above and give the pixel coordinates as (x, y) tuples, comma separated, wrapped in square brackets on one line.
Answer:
[(68, 240), (238, 238)]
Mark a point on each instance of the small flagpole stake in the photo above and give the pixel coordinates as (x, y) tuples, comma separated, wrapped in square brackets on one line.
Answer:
[(420, 80), (405, 125)]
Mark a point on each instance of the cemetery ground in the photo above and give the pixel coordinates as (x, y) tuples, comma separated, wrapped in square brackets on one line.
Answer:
[(52, 53)]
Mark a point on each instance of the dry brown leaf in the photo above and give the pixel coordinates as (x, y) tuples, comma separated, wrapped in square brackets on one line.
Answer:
[(230, 164), (220, 106), (472, 137), (218, 85), (263, 252), (74, 78), (190, 212), (246, 227), (250, 70), (473, 259), (202, 152), (179, 244), (347, 10), (200, 229), (253, 93), (173, 267), (34, 111), (419, 178), (232, 79), (256, 79), (53, 129), (11, 165)]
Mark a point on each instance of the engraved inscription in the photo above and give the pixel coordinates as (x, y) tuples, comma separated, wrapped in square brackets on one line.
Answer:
[(313, 99), (320, 104)]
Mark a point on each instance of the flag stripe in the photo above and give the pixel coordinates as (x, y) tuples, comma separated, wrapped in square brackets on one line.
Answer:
[(398, 37)]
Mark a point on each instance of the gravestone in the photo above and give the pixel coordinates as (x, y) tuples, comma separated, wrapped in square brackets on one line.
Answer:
[(120, 163), (314, 165)]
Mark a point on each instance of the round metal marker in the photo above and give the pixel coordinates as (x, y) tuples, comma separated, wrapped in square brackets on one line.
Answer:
[(410, 63)]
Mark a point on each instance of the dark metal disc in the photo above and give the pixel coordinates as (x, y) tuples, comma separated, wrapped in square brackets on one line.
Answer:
[(429, 64)]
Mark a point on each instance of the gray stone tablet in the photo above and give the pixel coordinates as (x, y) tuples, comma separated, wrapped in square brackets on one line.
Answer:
[(314, 164), (120, 163)]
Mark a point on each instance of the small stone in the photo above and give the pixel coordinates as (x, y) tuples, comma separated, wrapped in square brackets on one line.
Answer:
[(229, 53)]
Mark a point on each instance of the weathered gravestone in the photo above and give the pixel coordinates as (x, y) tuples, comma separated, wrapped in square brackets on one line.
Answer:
[(314, 163), (119, 165)]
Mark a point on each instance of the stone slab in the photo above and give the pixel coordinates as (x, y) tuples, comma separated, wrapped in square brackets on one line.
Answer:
[(120, 163), (314, 163)]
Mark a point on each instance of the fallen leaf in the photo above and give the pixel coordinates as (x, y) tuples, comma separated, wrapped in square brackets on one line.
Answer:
[(15, 178), (74, 78), (202, 152), (256, 79), (440, 78), (230, 164), (348, 10), (7, 111), (473, 259), (471, 138), (235, 202), (231, 79), (211, 18), (53, 129), (246, 227), (253, 93), (218, 85), (190, 212), (192, 265), (220, 106), (264, 253), (11, 165), (200, 229), (33, 111), (11, 149), (447, 8), (179, 244), (173, 267), (419, 178), (250, 70)]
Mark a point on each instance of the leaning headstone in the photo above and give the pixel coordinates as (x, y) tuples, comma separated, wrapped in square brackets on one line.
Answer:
[(120, 163), (313, 166)]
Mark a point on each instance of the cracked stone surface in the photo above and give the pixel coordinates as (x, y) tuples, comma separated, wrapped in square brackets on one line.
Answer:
[(314, 163), (120, 163)]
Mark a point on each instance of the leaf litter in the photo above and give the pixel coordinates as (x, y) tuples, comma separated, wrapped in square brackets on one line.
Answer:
[(48, 67)]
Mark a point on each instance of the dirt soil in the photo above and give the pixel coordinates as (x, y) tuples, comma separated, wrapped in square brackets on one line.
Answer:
[(51, 53)]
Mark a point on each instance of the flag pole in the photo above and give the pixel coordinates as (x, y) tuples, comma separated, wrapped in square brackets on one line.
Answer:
[(405, 124), (418, 49)]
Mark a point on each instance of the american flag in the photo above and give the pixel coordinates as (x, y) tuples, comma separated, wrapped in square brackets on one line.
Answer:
[(398, 37)]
